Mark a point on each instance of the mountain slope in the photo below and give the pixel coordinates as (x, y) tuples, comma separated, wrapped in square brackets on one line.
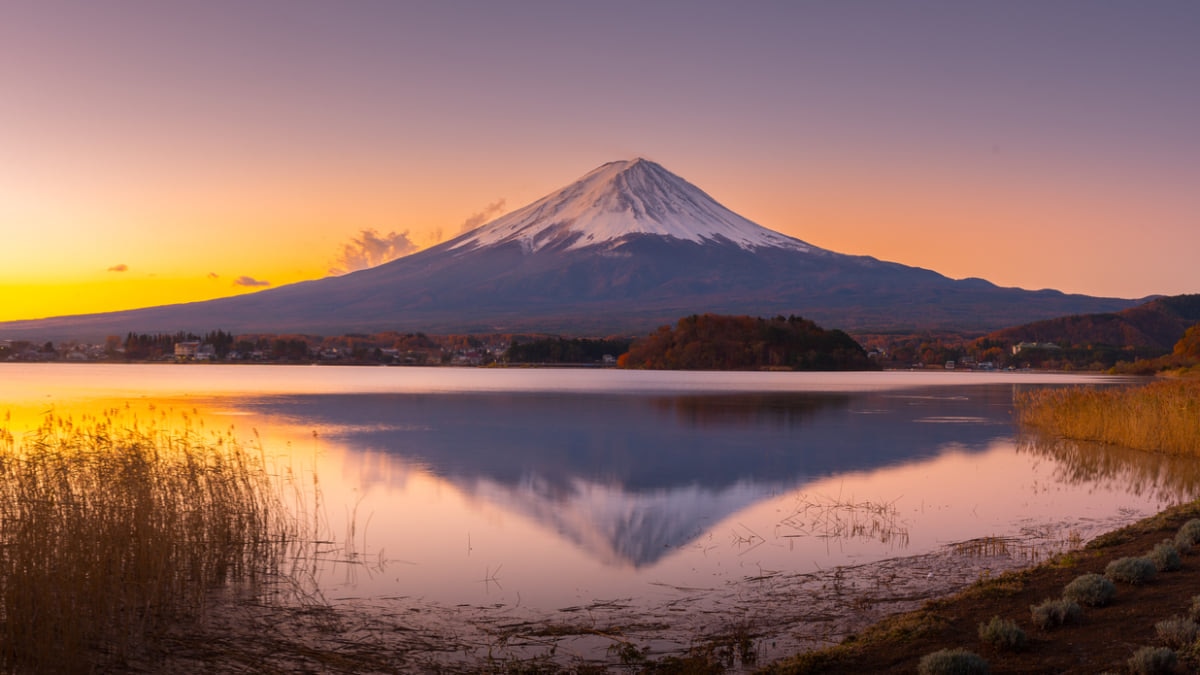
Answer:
[(627, 248), (1158, 324)]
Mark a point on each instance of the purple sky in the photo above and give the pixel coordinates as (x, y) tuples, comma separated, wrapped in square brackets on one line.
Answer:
[(1035, 144)]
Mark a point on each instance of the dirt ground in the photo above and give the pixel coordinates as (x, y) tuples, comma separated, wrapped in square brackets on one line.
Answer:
[(1103, 641)]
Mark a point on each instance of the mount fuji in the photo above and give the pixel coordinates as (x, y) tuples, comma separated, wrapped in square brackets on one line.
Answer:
[(628, 247)]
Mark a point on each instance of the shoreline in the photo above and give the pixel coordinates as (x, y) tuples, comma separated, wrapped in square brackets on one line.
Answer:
[(747, 624)]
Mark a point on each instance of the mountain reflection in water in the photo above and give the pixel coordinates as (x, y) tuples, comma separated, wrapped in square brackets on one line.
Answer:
[(631, 478), (556, 487)]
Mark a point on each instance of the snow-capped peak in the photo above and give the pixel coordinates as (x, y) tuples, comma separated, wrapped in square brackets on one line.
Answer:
[(620, 199)]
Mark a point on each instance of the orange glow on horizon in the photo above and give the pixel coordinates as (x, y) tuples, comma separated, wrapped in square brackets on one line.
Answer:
[(38, 300), (181, 139)]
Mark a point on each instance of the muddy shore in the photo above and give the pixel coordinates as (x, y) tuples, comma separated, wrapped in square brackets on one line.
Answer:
[(746, 623)]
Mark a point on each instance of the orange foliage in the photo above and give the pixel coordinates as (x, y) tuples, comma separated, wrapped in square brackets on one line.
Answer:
[(713, 342)]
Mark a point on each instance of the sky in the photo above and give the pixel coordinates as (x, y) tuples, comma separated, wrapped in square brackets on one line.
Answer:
[(156, 152)]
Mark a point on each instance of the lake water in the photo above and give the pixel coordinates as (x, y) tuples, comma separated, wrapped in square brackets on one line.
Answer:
[(555, 488)]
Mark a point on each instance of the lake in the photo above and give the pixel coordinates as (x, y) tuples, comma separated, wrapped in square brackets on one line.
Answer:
[(556, 489)]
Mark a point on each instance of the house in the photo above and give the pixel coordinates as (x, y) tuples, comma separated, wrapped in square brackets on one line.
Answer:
[(186, 351), (1020, 347)]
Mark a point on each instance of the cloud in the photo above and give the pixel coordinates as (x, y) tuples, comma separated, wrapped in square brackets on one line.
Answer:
[(371, 249), (482, 217), (119, 268), (249, 281), (214, 275)]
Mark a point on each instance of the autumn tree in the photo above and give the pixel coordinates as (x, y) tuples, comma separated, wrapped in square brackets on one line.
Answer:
[(1189, 345), (714, 342)]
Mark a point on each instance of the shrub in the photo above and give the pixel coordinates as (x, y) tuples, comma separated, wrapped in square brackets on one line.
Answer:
[(1166, 556), (1051, 613), (1177, 631), (953, 662), (1194, 610), (1183, 547), (1003, 633), (1092, 590), (1188, 535), (1131, 570), (1152, 661)]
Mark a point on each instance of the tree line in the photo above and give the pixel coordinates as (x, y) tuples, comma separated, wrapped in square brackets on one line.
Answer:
[(559, 350)]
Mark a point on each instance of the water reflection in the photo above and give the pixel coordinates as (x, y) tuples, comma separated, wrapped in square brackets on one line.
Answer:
[(584, 485), (1166, 478), (644, 443), (632, 478)]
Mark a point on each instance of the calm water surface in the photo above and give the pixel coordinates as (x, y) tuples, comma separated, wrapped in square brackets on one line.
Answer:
[(554, 488)]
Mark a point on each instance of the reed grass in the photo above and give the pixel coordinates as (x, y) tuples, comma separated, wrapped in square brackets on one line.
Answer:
[(112, 530), (838, 518), (1162, 416)]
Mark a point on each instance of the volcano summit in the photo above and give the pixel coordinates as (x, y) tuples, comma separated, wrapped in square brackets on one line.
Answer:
[(626, 248), (619, 200)]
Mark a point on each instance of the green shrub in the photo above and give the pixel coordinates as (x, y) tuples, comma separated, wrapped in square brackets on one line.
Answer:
[(1092, 590), (1051, 613), (1188, 535), (1152, 661), (1166, 556), (1003, 633), (1182, 546), (1131, 570), (1177, 632), (1189, 531), (953, 662)]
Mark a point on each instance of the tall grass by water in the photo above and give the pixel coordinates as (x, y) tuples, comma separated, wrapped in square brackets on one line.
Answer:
[(1161, 416), (112, 530)]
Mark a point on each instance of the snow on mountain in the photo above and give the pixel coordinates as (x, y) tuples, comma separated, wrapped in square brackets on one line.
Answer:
[(620, 199), (627, 248)]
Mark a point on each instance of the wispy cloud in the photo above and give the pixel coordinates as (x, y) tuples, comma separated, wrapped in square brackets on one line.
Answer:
[(371, 249), (482, 217), (214, 275), (249, 281), (119, 268)]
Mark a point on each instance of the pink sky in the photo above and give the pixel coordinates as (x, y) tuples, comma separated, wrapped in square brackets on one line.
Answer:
[(162, 152)]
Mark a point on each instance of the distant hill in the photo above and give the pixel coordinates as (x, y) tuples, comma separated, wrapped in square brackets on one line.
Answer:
[(1157, 324)]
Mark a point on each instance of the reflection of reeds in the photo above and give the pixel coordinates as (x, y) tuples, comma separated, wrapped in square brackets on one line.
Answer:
[(837, 519), (1162, 416), (1032, 546), (983, 547), (1168, 478), (111, 531)]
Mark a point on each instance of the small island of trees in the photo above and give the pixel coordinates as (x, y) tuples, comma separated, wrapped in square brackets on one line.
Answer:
[(716, 342)]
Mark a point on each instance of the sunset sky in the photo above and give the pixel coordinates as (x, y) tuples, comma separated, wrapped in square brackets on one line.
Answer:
[(154, 152)]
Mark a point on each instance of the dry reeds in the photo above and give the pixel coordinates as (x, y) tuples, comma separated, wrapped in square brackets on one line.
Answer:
[(836, 518), (1160, 417), (111, 531)]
